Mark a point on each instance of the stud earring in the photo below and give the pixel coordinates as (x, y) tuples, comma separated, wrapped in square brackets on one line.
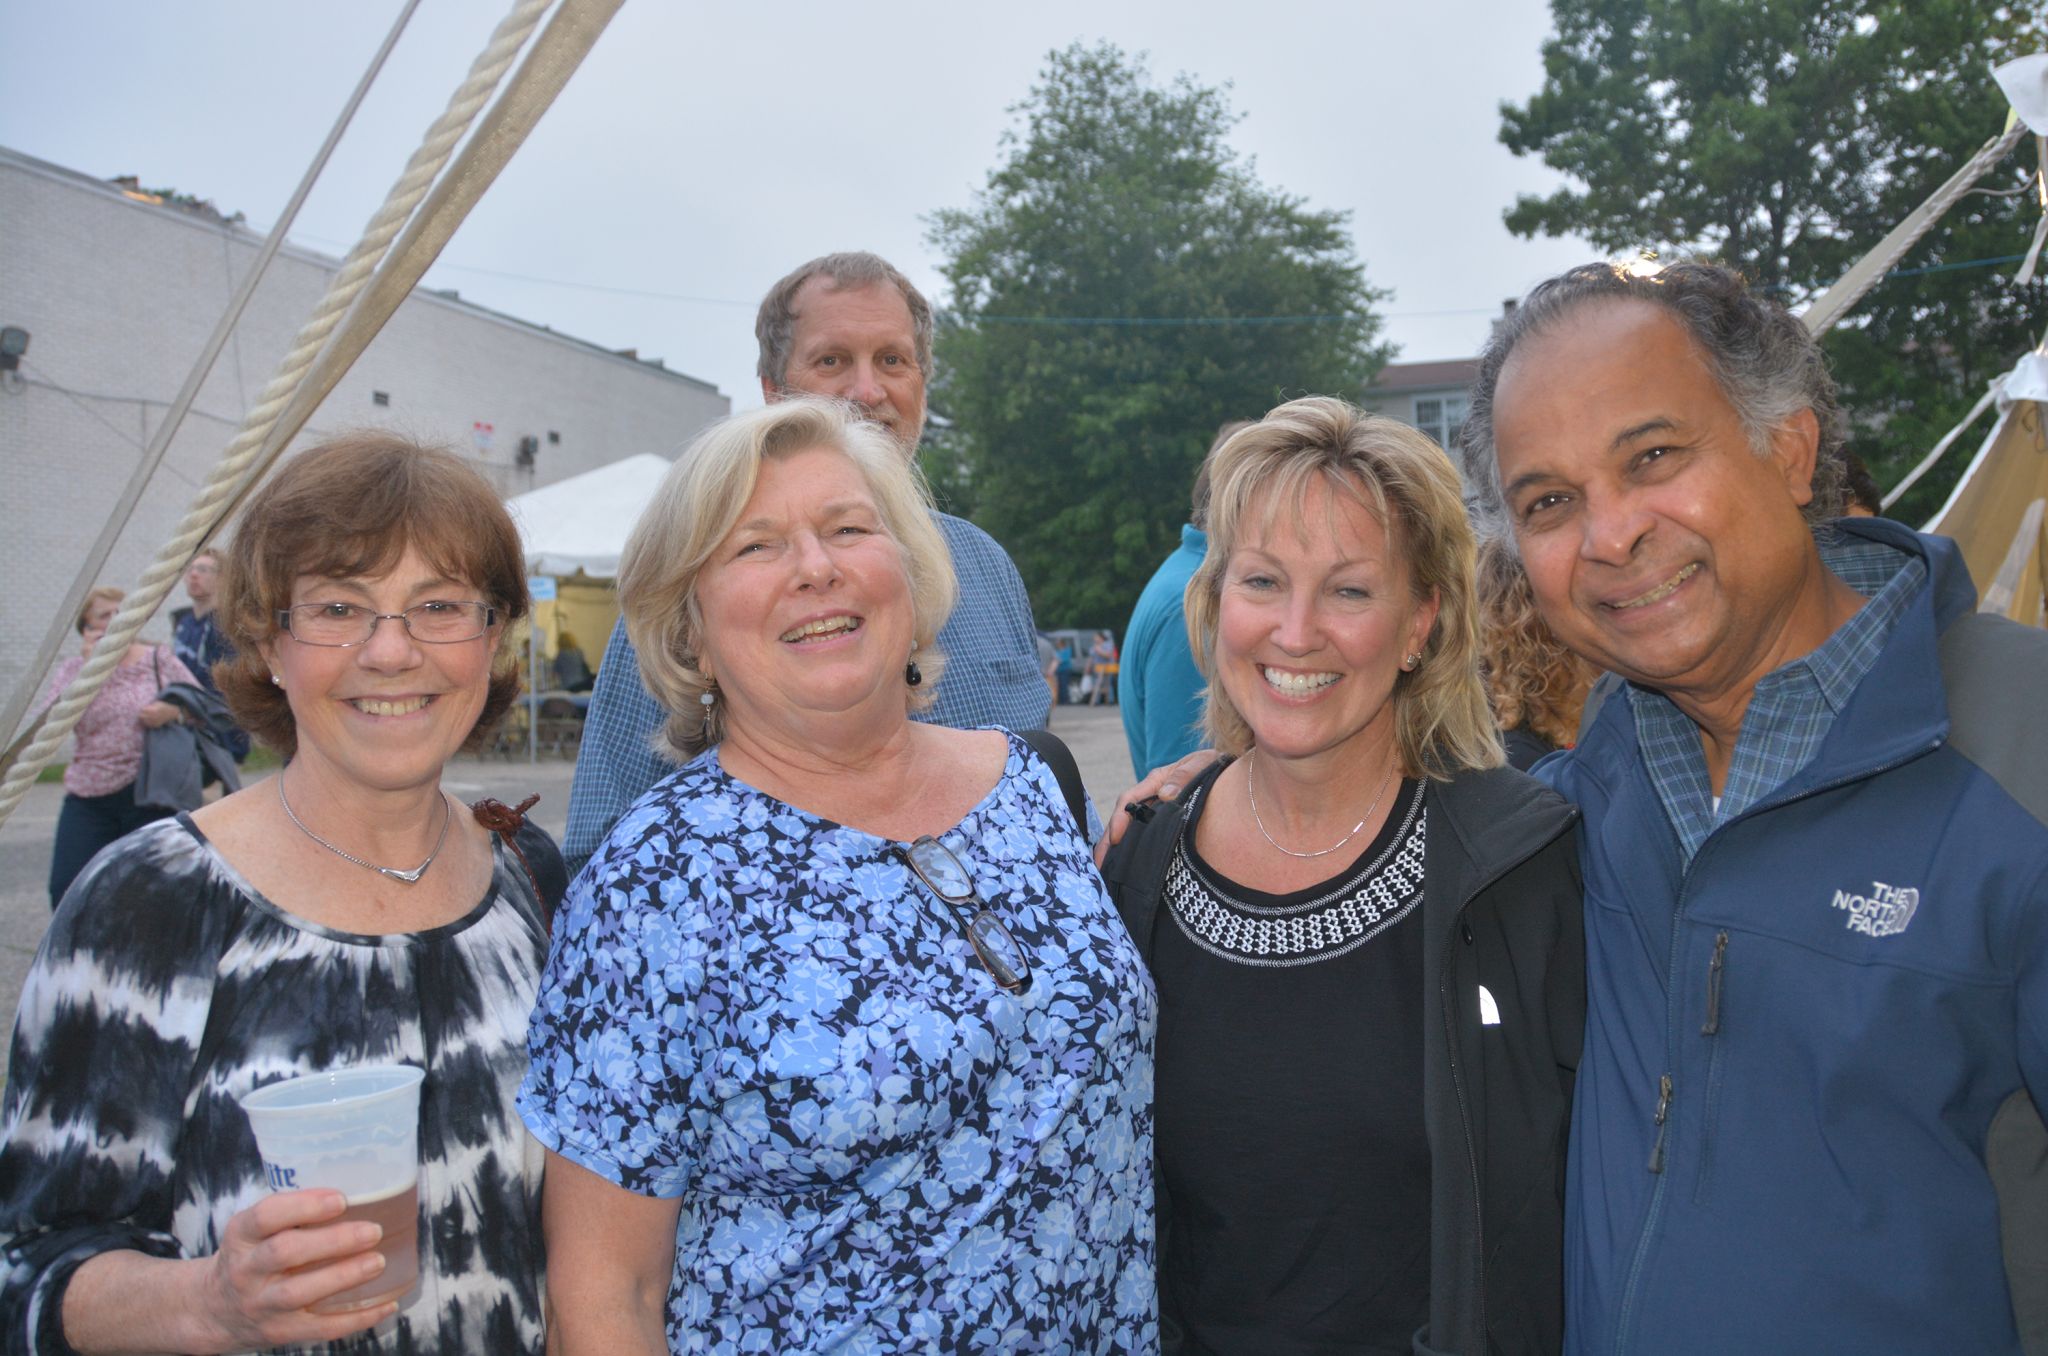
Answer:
[(912, 674), (1408, 664), (276, 681)]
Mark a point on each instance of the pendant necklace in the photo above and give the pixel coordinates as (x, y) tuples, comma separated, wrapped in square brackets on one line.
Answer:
[(409, 877), (1252, 796)]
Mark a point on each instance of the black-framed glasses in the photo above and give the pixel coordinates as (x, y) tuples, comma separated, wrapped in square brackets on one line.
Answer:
[(344, 624), (945, 875)]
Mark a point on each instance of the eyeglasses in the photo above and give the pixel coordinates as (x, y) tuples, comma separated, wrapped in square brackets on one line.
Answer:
[(945, 875), (345, 624)]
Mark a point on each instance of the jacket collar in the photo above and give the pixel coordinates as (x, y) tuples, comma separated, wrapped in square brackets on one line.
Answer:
[(1899, 710), (1481, 825)]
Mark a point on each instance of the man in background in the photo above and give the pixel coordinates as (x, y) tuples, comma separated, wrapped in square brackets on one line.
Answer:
[(853, 327), (196, 638)]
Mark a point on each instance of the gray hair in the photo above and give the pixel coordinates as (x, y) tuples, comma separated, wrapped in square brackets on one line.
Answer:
[(775, 323), (1759, 353)]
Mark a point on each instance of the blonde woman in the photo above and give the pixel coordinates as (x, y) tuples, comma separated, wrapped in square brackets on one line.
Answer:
[(1364, 932), (842, 1046)]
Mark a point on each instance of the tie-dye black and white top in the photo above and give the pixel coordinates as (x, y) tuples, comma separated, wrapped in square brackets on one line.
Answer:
[(167, 987), (766, 1016)]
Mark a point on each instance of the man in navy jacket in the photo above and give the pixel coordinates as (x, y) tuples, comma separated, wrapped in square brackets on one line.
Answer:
[(1816, 847)]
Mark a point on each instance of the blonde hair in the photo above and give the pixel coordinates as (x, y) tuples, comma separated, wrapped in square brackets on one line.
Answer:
[(700, 500), (101, 593), (1533, 681), (1441, 721)]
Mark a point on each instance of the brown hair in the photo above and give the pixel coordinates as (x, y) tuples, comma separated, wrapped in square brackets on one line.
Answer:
[(1532, 680), (349, 508), (105, 593)]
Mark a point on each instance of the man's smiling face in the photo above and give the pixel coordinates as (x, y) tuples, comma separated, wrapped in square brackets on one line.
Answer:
[(1659, 544)]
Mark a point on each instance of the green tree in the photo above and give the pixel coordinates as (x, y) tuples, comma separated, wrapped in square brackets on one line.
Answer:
[(1786, 137), (1121, 286)]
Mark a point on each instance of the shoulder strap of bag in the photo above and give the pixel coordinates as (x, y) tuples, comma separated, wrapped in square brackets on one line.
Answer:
[(1049, 747)]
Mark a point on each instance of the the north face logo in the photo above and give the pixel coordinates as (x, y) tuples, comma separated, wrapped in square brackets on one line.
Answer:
[(1884, 912)]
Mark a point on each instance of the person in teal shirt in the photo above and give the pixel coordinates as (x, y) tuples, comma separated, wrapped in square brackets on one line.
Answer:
[(1160, 687)]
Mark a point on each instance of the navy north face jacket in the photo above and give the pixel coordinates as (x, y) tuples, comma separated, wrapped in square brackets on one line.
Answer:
[(1803, 1120)]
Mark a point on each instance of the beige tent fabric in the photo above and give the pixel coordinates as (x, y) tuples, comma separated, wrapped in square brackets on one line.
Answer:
[(1997, 513)]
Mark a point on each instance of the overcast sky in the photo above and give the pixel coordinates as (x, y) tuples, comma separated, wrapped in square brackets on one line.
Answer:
[(703, 150)]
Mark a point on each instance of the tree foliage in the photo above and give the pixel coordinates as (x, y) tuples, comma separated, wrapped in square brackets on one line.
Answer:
[(1121, 286), (1786, 137)]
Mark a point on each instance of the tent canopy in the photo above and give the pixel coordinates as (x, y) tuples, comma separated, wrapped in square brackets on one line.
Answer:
[(582, 523)]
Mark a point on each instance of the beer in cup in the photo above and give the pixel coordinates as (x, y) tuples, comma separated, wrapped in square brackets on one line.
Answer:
[(355, 1131)]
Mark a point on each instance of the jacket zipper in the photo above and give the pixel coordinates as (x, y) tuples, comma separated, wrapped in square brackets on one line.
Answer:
[(1663, 1114), (1716, 969), (1664, 1084), (1448, 1002), (1712, 1026)]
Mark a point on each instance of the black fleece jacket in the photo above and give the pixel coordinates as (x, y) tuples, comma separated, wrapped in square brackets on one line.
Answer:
[(1501, 908)]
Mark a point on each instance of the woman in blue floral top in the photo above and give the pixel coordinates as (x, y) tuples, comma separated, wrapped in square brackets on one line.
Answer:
[(841, 1046)]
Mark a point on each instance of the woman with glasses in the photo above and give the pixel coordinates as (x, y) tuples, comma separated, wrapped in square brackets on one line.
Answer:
[(347, 911), (841, 1046), (1365, 933)]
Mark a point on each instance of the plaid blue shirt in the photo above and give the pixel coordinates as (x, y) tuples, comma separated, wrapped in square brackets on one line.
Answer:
[(1792, 708), (992, 678)]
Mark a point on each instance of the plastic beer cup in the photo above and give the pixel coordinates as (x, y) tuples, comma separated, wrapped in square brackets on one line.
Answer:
[(355, 1131)]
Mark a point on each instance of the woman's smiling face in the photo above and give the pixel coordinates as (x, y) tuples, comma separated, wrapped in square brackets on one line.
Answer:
[(1316, 613), (806, 604), (389, 712)]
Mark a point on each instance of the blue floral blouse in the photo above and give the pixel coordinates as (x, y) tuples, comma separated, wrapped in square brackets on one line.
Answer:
[(876, 1149)]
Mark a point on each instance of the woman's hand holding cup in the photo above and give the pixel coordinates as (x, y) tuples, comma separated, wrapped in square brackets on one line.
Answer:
[(277, 1259)]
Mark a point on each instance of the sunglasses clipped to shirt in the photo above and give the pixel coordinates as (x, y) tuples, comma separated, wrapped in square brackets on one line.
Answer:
[(945, 875)]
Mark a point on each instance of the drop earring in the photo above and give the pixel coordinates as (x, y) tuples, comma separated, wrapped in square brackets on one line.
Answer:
[(912, 674)]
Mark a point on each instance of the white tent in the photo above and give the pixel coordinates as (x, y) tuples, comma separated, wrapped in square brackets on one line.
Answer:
[(581, 523)]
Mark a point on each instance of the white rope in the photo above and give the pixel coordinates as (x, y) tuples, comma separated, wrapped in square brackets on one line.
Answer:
[(152, 457), (1849, 289), (1947, 441), (238, 466)]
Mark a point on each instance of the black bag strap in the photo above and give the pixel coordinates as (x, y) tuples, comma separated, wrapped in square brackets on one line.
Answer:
[(1055, 754)]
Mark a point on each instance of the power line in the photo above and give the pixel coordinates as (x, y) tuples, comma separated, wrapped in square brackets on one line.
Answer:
[(1951, 268)]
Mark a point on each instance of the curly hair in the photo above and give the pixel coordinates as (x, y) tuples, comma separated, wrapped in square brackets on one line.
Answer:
[(1532, 680), (1759, 353), (1441, 722), (349, 508)]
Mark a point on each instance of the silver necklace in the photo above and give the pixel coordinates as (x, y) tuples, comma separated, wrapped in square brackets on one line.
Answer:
[(409, 877), (1253, 797)]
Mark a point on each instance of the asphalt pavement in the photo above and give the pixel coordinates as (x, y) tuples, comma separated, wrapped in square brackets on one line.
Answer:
[(1094, 733)]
